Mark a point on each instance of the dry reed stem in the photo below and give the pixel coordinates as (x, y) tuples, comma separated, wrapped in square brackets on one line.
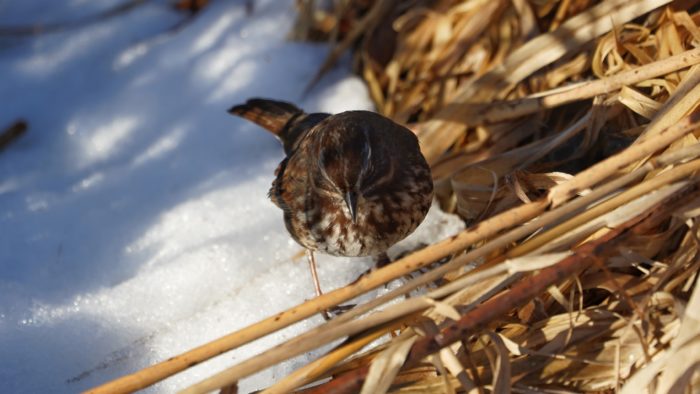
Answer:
[(501, 111), (386, 365), (317, 368), (685, 98), (684, 351)]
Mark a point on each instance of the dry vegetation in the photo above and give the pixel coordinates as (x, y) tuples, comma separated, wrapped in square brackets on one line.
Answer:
[(565, 132)]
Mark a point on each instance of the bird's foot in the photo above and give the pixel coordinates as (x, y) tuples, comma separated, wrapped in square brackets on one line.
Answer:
[(336, 311)]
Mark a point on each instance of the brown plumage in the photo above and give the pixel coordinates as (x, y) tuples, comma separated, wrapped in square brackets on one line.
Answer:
[(352, 184)]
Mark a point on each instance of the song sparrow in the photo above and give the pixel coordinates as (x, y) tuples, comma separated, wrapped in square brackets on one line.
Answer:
[(352, 184)]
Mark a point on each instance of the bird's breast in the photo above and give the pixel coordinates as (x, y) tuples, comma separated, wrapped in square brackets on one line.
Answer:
[(326, 224)]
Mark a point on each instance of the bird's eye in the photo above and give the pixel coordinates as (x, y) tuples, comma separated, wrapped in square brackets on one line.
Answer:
[(365, 164), (327, 161)]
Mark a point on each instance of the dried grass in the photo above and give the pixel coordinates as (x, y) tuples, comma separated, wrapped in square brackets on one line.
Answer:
[(566, 133)]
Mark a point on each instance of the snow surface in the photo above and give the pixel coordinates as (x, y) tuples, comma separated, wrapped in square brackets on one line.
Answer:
[(134, 223)]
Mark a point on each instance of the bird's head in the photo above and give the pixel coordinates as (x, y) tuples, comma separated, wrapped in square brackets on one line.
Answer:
[(351, 163)]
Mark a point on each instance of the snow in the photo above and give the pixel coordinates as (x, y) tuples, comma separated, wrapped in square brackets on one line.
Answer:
[(134, 223)]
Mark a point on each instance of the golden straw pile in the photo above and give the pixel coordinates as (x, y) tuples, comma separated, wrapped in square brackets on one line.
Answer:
[(565, 132)]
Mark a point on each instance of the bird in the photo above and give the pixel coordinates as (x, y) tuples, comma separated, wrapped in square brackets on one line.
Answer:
[(351, 184)]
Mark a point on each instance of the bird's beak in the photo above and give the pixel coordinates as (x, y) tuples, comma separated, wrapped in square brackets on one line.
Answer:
[(351, 201)]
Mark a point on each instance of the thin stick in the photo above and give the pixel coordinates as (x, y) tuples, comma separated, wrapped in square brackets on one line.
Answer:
[(316, 368), (684, 98), (512, 109)]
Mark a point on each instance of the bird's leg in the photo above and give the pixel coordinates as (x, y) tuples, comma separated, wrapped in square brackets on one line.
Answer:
[(336, 310), (314, 274), (314, 277), (383, 260)]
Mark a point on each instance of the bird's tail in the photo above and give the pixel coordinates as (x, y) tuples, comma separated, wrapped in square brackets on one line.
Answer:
[(285, 120), (270, 114)]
